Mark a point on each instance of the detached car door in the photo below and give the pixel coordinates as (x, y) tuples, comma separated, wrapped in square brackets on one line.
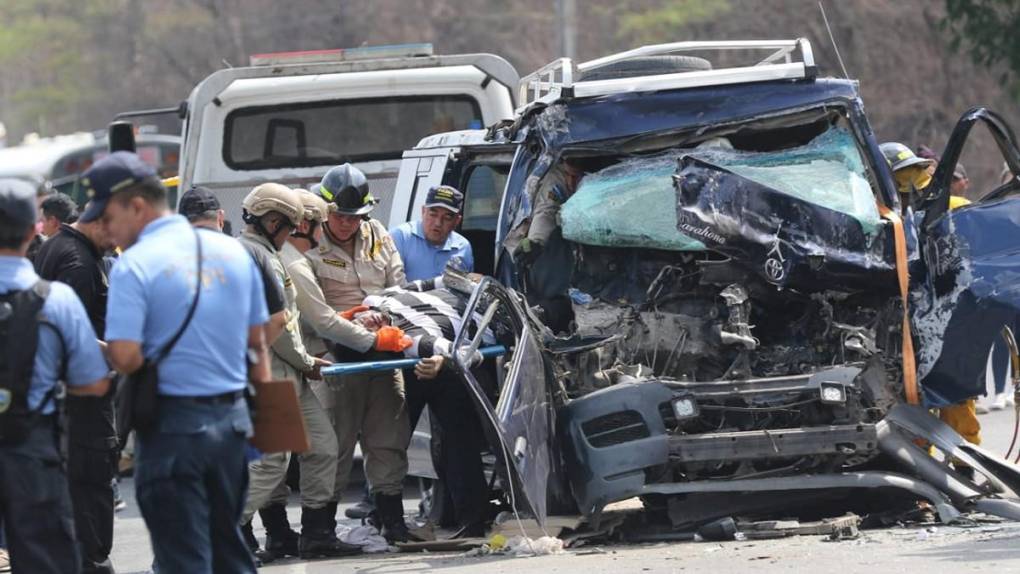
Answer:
[(969, 288), (519, 426)]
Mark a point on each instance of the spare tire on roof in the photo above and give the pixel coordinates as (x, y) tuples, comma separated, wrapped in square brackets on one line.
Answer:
[(646, 66)]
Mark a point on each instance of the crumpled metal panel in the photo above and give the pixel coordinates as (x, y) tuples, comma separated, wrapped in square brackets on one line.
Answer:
[(625, 115), (919, 422), (784, 239), (544, 132), (526, 422), (971, 291)]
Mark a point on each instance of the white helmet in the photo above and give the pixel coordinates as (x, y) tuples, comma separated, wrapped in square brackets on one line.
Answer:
[(276, 197)]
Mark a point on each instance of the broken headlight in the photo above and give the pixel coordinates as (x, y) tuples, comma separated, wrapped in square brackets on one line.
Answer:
[(685, 408), (833, 393)]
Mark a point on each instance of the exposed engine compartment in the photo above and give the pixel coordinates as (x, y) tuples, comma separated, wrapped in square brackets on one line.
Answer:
[(749, 357), (701, 317)]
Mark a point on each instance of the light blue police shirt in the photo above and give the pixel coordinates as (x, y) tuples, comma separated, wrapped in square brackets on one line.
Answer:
[(63, 310), (423, 260), (151, 288)]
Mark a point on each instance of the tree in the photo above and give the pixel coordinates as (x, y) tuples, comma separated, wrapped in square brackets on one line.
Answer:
[(989, 30)]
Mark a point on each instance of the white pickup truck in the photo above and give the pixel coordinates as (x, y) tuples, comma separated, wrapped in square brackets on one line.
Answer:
[(289, 117)]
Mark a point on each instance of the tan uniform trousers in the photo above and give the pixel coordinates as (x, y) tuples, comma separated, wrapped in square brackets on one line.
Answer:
[(267, 476), (370, 409)]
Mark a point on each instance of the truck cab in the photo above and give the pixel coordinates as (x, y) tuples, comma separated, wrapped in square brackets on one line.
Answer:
[(289, 117)]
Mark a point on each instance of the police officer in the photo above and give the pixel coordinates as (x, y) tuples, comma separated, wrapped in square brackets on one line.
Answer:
[(357, 258), (74, 255), (271, 212), (46, 337), (191, 476)]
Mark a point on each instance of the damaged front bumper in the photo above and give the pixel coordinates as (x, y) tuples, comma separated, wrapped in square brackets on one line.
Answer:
[(619, 445), (615, 439)]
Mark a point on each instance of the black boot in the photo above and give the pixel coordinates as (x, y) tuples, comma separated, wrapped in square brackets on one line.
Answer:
[(281, 540), (251, 542), (389, 518), (318, 535), (249, 537)]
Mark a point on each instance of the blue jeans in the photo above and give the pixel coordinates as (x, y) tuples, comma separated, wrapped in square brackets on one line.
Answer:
[(191, 481)]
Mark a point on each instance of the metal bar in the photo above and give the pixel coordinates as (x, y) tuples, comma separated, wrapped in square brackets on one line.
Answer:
[(178, 110), (544, 89), (919, 422), (780, 53), (679, 80), (342, 369), (871, 479), (911, 456), (482, 326), (772, 443), (659, 49), (844, 375)]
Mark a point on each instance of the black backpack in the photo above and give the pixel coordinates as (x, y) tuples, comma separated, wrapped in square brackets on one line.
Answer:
[(20, 321)]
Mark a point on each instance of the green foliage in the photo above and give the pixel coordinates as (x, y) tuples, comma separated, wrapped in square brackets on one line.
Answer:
[(649, 22), (988, 29), (44, 49)]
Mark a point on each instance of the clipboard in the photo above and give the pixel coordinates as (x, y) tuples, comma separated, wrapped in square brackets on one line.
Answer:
[(279, 424)]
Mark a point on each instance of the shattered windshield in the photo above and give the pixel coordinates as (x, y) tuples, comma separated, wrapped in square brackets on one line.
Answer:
[(631, 204)]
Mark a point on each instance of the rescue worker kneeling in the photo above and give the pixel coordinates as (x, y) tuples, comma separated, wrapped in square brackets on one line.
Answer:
[(46, 339), (271, 212)]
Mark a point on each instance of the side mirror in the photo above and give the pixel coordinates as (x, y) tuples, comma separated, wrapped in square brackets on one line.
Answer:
[(121, 136)]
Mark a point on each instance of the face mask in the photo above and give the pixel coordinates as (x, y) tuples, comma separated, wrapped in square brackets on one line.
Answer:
[(913, 178)]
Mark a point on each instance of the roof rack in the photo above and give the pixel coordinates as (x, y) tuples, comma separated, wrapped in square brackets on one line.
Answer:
[(557, 79)]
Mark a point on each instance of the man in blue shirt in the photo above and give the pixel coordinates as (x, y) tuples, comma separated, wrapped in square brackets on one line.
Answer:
[(35, 507), (191, 474), (428, 245)]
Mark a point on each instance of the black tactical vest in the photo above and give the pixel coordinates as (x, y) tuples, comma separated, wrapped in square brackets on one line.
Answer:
[(20, 320)]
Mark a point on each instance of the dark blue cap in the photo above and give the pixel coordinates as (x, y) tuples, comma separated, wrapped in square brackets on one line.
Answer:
[(197, 201), (118, 171), (445, 196), (17, 201)]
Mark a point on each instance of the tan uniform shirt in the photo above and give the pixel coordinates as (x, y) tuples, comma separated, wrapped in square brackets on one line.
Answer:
[(289, 349), (318, 319), (346, 280)]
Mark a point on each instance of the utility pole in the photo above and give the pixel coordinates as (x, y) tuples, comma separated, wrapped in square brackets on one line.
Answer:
[(566, 18)]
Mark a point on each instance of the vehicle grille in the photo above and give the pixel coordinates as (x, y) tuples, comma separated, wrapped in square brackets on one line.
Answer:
[(615, 428), (668, 417)]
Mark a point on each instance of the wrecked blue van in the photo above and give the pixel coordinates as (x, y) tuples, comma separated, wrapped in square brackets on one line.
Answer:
[(715, 293)]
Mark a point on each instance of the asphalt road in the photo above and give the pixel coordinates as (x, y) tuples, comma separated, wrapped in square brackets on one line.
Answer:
[(933, 550)]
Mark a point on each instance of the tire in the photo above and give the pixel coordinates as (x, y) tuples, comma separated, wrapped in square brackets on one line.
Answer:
[(646, 66)]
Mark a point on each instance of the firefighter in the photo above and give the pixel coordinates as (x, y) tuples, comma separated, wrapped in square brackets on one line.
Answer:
[(357, 258), (912, 179), (911, 173)]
